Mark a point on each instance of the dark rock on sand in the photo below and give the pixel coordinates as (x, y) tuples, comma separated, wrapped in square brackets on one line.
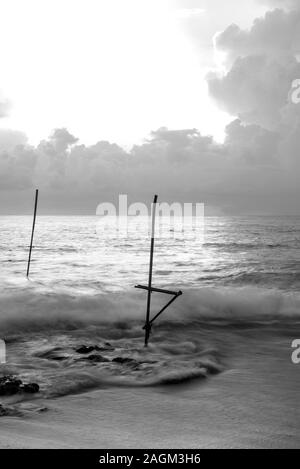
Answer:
[(30, 388), (85, 349), (96, 358), (11, 379), (9, 385), (8, 389), (124, 360)]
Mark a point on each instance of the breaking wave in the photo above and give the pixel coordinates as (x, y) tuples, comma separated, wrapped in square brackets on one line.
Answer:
[(33, 309), (71, 344)]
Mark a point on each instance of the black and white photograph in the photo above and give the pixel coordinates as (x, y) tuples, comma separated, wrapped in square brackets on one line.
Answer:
[(149, 227)]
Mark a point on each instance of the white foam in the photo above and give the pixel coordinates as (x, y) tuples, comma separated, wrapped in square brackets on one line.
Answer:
[(32, 309)]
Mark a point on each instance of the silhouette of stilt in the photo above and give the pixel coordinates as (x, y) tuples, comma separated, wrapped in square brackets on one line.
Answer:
[(32, 232), (148, 324)]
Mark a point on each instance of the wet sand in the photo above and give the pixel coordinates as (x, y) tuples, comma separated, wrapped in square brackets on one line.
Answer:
[(253, 403)]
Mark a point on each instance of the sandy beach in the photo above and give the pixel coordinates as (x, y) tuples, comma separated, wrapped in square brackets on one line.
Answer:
[(253, 403)]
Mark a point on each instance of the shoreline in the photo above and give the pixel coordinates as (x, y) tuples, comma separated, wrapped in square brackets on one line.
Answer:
[(252, 404)]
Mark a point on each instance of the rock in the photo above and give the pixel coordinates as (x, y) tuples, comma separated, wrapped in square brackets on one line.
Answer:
[(84, 349), (96, 358), (124, 360), (8, 389), (10, 379), (9, 385), (30, 388)]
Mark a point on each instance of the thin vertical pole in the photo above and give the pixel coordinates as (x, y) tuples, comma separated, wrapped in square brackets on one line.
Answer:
[(32, 233), (148, 325)]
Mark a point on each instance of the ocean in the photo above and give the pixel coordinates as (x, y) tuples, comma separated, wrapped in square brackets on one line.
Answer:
[(225, 342)]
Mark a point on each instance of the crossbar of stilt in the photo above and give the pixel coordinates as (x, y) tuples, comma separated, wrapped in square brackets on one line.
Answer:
[(157, 290)]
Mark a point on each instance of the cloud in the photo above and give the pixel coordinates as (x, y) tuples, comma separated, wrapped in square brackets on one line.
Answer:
[(180, 165), (277, 34), (255, 170), (9, 139), (16, 170), (288, 4), (262, 64), (256, 88), (61, 140)]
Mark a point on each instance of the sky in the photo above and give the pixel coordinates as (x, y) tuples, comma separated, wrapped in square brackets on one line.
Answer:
[(188, 98), (114, 69)]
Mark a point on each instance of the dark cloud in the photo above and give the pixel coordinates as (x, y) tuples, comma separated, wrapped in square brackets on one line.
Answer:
[(180, 165), (262, 64), (256, 88)]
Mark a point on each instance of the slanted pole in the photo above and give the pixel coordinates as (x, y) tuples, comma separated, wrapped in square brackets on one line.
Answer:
[(32, 232), (148, 324), (165, 307)]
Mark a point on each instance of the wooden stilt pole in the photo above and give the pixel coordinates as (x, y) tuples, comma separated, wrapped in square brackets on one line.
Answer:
[(175, 294), (147, 324), (32, 233)]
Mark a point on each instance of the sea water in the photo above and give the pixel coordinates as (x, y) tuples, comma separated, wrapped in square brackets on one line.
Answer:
[(240, 279)]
